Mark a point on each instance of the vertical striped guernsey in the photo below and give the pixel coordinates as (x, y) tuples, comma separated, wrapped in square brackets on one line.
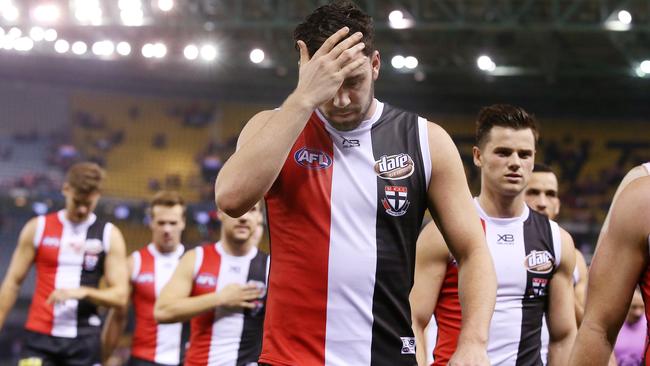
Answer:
[(153, 342), (344, 216), (224, 337), (68, 255)]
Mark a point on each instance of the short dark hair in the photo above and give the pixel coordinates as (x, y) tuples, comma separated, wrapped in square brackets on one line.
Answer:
[(542, 168), (85, 177), (328, 19), (503, 115), (167, 199)]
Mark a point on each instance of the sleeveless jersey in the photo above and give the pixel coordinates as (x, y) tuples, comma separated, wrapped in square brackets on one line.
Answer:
[(222, 337), (344, 216), (447, 316), (526, 251), (159, 343), (68, 255)]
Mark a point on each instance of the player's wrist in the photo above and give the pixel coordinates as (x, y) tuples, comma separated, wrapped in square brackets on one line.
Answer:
[(300, 101)]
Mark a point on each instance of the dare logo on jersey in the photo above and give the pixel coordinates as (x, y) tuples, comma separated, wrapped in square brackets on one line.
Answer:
[(206, 280), (393, 167), (312, 158), (539, 262)]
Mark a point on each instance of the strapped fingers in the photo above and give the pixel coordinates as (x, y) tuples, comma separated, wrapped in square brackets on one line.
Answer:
[(247, 305), (304, 52), (330, 42)]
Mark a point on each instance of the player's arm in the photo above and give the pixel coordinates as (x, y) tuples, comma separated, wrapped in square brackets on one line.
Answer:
[(175, 303), (634, 173), (580, 288), (431, 261), (452, 206), (267, 139), (115, 323), (615, 270), (116, 292), (21, 261), (561, 311)]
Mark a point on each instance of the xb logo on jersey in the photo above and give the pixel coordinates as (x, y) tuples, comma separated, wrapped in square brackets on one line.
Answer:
[(505, 239), (312, 158), (539, 262), (396, 200)]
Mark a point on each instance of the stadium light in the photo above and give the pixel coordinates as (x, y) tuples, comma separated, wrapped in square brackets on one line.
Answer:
[(398, 62), (50, 35), (624, 17), (191, 52), (256, 56), (14, 33), (46, 13), (37, 34), (61, 46), (79, 48), (9, 11), (485, 63), (208, 52), (147, 50), (397, 19), (103, 48), (159, 50), (88, 12), (165, 5), (410, 62), (24, 44), (645, 66), (123, 48), (131, 12)]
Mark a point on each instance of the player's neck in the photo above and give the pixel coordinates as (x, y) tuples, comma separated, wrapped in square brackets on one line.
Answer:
[(237, 249), (501, 206)]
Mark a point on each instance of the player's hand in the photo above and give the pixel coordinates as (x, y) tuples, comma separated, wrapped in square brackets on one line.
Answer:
[(322, 75), (469, 354), (236, 296), (61, 295)]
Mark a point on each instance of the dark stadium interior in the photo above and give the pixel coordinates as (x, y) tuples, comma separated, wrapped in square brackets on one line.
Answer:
[(171, 122)]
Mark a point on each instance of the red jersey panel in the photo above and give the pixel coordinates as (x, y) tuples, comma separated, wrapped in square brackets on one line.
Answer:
[(448, 316)]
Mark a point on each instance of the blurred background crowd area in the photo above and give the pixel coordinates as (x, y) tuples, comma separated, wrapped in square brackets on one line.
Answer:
[(156, 91)]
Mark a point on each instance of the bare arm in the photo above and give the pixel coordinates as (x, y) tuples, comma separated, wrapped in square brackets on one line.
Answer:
[(456, 215), (430, 267), (176, 305), (116, 292), (634, 173), (561, 312), (267, 139), (21, 261), (624, 247), (115, 324), (580, 288)]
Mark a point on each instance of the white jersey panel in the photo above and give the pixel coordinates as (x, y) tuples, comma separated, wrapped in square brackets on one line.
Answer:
[(68, 274), (352, 259)]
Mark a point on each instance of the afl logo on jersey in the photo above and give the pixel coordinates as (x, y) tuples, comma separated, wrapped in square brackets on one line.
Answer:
[(312, 158), (145, 277), (539, 262), (393, 167)]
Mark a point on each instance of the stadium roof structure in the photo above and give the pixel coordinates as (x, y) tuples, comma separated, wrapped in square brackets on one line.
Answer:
[(558, 49)]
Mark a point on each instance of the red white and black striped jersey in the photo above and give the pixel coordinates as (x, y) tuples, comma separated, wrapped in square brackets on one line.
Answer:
[(68, 255), (526, 251), (158, 343), (344, 216), (226, 337)]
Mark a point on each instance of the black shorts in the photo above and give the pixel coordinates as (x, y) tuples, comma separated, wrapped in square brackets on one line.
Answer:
[(134, 361), (45, 350)]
